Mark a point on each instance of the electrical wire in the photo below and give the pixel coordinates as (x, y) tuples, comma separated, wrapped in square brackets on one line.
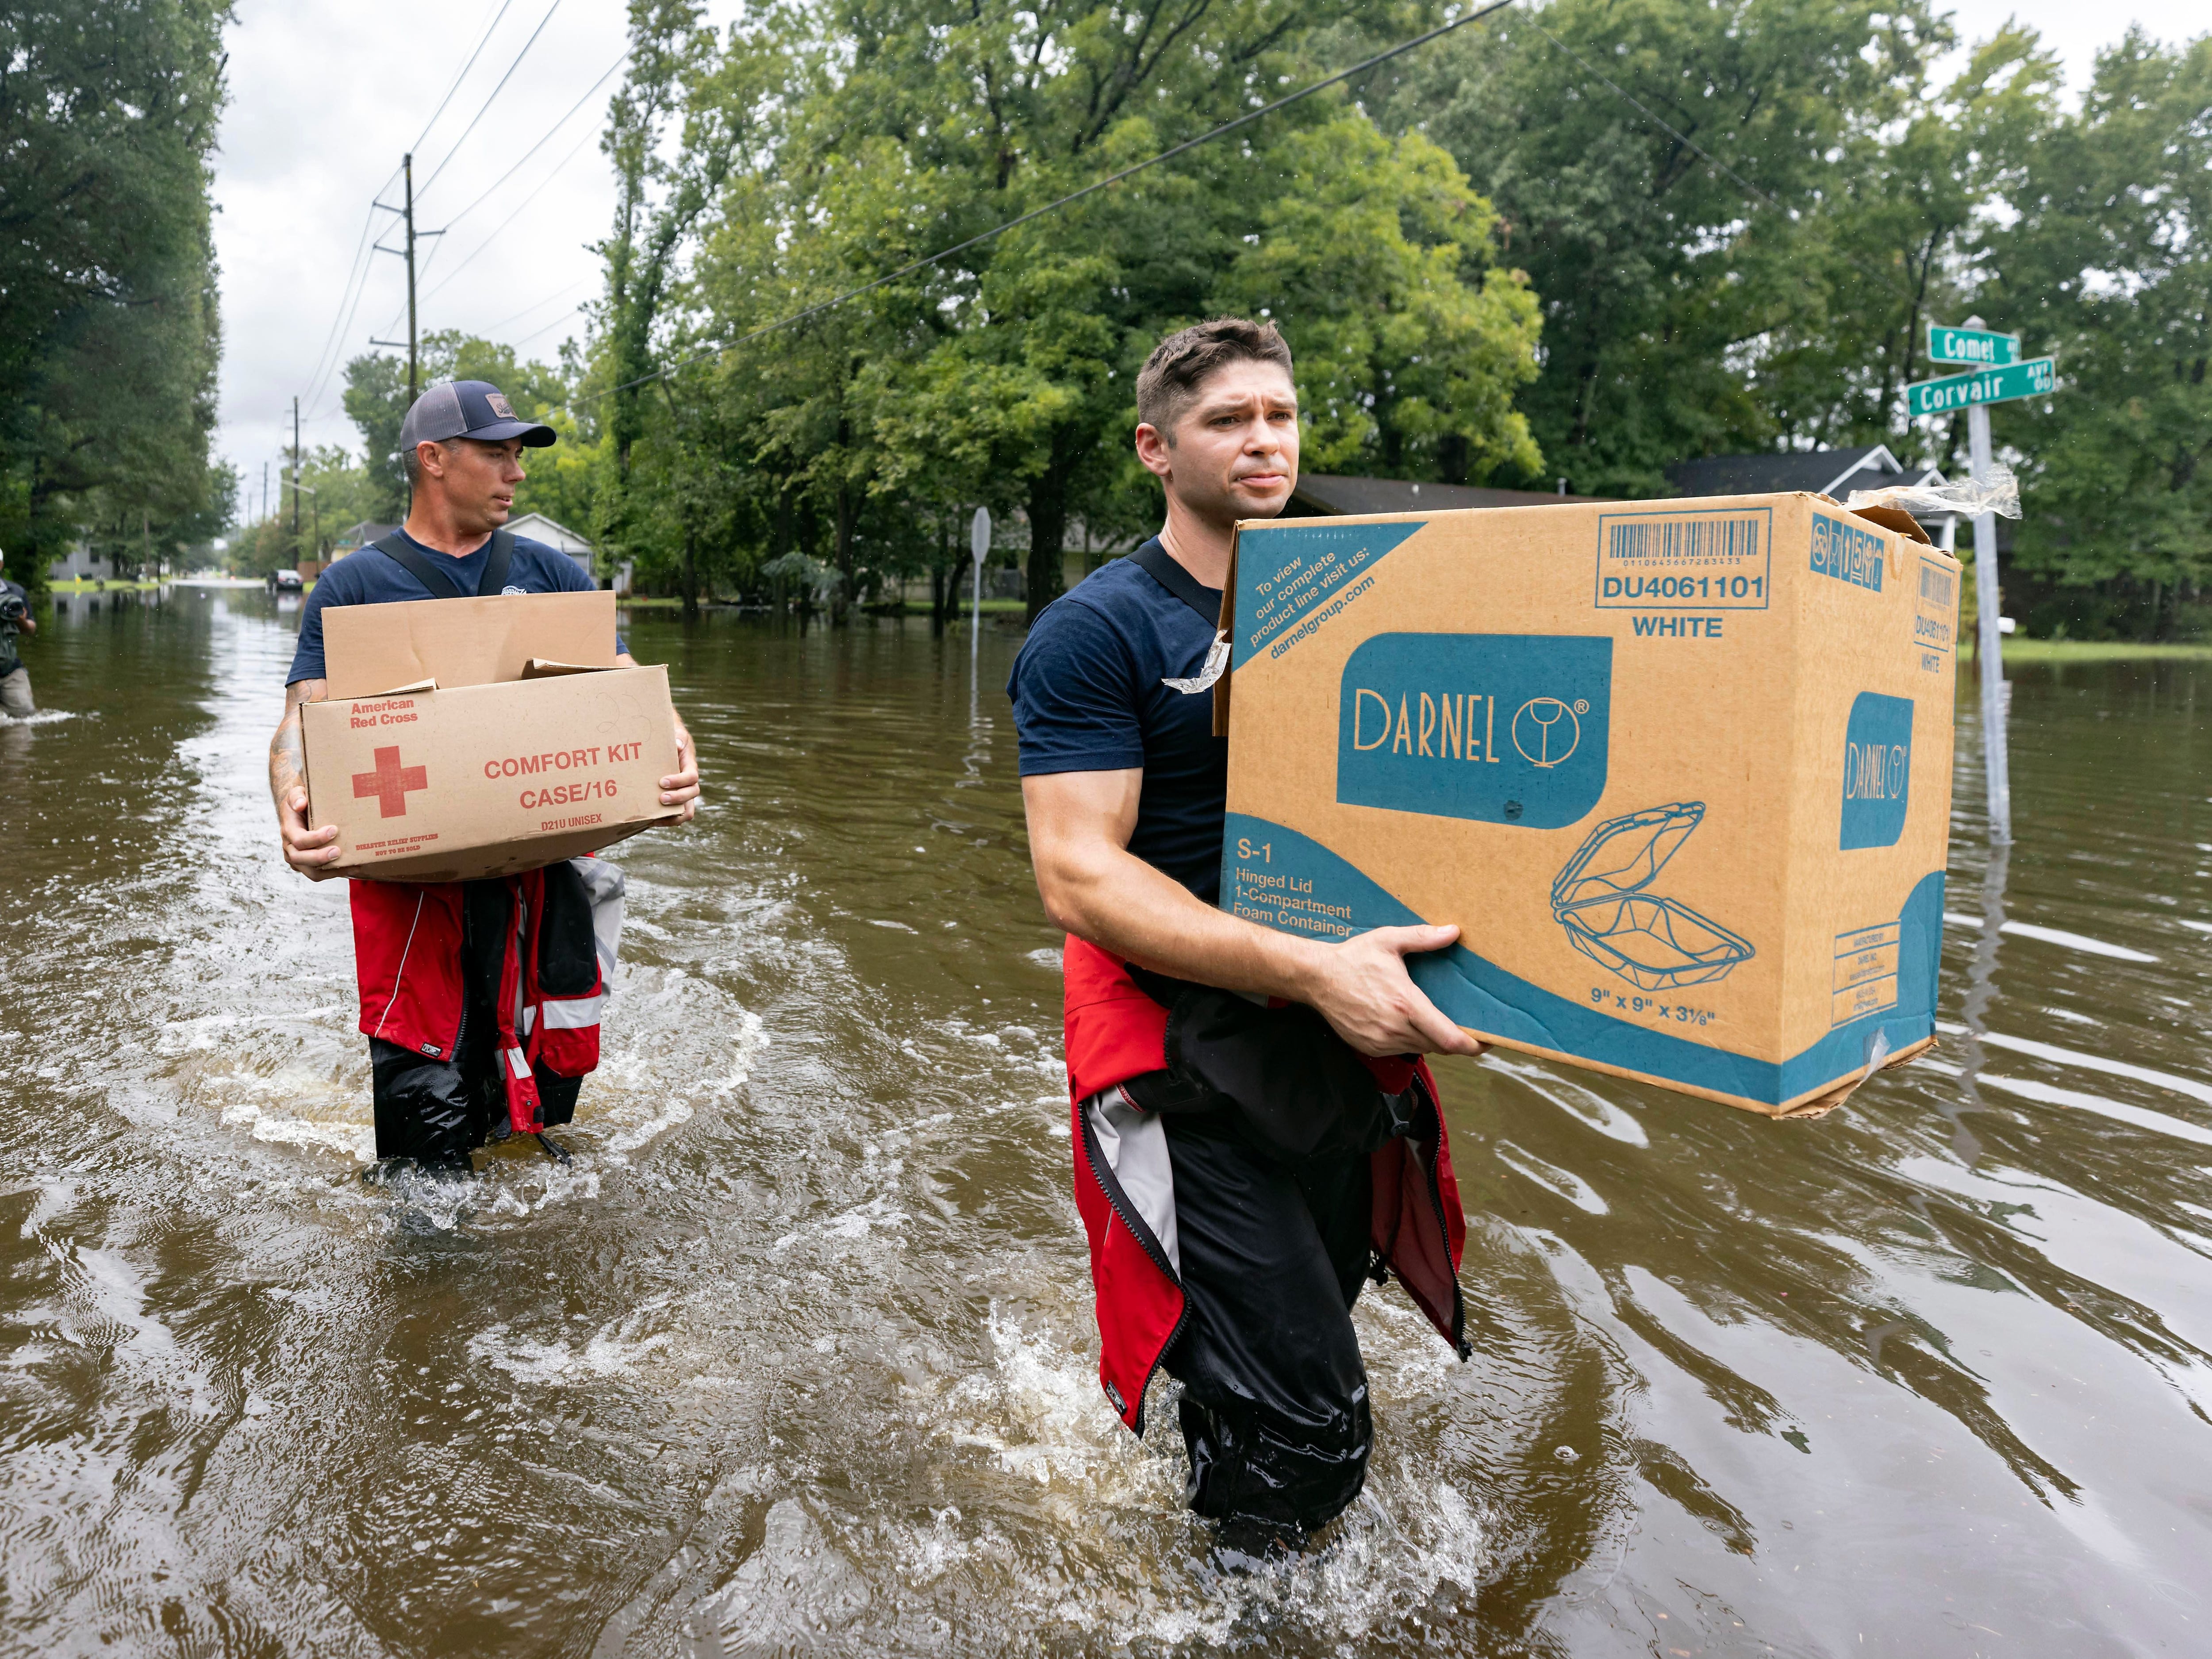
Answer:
[(326, 361), (483, 40), (1679, 135), (539, 305), (357, 271), (540, 185), (516, 345), (535, 190), (1206, 137), (346, 295), (541, 143), (516, 212), (486, 108)]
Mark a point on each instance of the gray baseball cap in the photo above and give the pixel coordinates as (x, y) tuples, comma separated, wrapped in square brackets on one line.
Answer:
[(468, 409)]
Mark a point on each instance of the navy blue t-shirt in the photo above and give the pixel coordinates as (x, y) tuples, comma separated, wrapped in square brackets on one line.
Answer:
[(368, 577), (1088, 697)]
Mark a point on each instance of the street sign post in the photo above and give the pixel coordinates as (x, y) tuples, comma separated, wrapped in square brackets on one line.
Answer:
[(1978, 346), (1989, 655), (2036, 378), (2001, 376)]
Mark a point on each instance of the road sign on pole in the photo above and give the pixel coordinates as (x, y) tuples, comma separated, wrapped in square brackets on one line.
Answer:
[(1979, 346), (2037, 377)]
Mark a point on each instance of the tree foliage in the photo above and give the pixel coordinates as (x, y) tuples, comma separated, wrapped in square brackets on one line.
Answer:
[(1584, 239), (843, 140), (108, 331)]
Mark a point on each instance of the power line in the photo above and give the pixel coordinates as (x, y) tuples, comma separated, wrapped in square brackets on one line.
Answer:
[(517, 345), (513, 215), (1206, 137), (345, 294), (534, 151), (539, 305), (356, 271), (486, 106), (483, 41), (1676, 133)]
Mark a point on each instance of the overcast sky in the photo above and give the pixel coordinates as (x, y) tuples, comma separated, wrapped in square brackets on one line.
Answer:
[(326, 95)]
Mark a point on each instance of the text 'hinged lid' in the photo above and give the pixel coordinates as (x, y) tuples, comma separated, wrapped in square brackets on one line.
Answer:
[(1623, 855)]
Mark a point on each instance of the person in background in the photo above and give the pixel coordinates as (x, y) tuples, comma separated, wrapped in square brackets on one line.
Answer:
[(1254, 1133), (15, 699), (462, 1048)]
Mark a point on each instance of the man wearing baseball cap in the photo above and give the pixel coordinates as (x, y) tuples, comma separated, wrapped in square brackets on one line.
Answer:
[(431, 957)]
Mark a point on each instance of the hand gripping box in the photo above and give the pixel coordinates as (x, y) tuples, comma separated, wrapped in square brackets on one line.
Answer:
[(1680, 770), (459, 738)]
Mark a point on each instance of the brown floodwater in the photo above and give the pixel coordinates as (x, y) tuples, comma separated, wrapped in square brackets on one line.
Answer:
[(797, 1356)]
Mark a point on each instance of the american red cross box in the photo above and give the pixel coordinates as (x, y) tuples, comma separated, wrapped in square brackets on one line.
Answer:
[(494, 756)]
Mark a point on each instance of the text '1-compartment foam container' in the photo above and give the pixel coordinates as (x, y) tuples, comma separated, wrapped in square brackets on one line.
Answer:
[(1680, 770)]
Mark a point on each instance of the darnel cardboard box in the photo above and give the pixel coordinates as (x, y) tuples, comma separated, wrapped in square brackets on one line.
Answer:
[(461, 739), (1680, 770)]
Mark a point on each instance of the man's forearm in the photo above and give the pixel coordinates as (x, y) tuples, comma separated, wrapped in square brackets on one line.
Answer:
[(288, 752), (1124, 906), (288, 758)]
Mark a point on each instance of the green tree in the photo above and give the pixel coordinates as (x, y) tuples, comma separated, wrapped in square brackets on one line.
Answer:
[(1664, 280), (2107, 262), (108, 332)]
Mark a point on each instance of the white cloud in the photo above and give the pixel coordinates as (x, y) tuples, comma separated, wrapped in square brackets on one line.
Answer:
[(324, 97), (2078, 33)]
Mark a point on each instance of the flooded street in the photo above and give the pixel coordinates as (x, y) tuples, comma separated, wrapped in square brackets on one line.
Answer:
[(797, 1356)]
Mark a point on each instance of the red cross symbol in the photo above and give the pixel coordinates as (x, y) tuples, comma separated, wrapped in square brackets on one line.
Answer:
[(390, 783)]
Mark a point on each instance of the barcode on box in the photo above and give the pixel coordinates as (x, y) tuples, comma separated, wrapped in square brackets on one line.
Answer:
[(1684, 561), (1934, 618)]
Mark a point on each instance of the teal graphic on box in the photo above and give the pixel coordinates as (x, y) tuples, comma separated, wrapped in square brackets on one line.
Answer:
[(1605, 900), (1509, 728), (1680, 771)]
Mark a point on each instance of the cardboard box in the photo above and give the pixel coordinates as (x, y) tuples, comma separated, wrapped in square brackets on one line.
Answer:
[(461, 739), (1680, 771)]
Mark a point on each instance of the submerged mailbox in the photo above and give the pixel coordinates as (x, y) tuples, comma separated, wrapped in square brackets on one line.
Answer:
[(1680, 770)]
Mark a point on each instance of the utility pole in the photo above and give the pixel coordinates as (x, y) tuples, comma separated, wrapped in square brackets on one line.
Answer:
[(407, 217), (264, 492)]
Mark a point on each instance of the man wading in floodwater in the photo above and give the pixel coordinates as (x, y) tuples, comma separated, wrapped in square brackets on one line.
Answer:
[(480, 1000), (1254, 1133)]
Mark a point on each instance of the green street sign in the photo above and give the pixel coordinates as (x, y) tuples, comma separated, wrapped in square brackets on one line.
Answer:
[(1979, 346), (2036, 378)]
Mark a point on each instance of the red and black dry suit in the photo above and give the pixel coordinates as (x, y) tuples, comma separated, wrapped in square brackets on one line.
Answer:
[(481, 999), (1240, 1169), (481, 1002)]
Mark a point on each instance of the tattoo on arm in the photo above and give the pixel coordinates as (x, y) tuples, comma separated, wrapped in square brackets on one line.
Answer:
[(288, 755)]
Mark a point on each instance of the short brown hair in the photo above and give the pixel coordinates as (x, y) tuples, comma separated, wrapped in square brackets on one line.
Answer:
[(1168, 384)]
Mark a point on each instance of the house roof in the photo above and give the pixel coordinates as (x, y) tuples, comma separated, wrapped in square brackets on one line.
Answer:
[(1834, 473), (536, 525), (1329, 494), (362, 534)]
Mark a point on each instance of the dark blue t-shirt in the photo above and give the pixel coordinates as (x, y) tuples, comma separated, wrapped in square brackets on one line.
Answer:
[(369, 578), (1088, 697)]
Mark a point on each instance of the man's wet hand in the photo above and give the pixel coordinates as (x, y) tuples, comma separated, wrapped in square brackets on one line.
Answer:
[(681, 787), (308, 851), (1361, 988)]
